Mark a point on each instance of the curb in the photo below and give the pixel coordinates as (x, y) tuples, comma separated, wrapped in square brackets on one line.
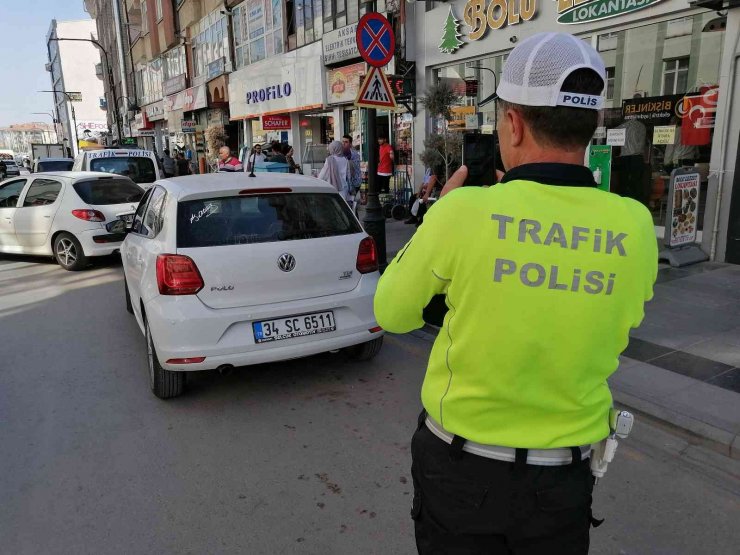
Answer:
[(692, 429)]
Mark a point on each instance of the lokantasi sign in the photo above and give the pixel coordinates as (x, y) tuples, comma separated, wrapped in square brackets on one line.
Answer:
[(375, 91), (276, 123)]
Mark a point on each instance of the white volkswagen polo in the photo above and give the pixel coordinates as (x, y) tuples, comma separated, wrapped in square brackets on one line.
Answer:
[(226, 270)]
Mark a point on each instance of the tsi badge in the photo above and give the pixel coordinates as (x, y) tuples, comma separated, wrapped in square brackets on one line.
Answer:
[(346, 274)]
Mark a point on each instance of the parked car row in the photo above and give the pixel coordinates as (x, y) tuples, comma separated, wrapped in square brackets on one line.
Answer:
[(220, 270)]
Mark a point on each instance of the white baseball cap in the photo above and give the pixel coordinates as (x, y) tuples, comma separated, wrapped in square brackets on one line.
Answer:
[(535, 71)]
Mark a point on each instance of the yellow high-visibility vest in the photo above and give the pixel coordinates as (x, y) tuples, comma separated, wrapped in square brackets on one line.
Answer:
[(543, 284)]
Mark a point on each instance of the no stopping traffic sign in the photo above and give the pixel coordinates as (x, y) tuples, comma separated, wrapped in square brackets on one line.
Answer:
[(375, 39)]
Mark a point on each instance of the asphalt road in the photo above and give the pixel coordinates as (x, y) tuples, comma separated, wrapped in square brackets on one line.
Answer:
[(308, 456)]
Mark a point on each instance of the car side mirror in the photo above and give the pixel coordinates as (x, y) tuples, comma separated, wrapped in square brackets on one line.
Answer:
[(117, 226)]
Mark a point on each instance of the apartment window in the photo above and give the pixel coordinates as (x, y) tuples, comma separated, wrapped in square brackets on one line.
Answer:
[(339, 13), (159, 9), (258, 30), (144, 18), (210, 42), (149, 81), (173, 63), (610, 72), (307, 24), (675, 76)]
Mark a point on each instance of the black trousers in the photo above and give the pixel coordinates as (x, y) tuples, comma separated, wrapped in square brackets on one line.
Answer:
[(384, 183), (478, 505)]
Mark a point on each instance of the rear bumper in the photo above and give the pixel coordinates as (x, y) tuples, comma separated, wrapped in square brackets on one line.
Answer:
[(98, 242), (183, 327)]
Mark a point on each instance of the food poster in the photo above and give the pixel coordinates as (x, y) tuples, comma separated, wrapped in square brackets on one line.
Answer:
[(600, 163), (683, 218), (344, 82)]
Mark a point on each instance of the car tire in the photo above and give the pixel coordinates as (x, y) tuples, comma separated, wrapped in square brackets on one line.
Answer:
[(129, 306), (365, 351), (399, 212), (165, 384), (68, 252)]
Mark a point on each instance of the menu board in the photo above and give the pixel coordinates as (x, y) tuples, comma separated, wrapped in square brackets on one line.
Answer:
[(683, 216)]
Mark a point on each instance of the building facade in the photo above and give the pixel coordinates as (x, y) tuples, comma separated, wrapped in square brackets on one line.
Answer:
[(670, 90), (78, 97), (20, 137), (116, 70)]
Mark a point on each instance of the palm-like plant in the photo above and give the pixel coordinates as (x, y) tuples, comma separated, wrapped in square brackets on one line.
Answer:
[(444, 149)]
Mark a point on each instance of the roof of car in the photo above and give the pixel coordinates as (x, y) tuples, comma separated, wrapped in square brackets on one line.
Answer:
[(227, 181), (61, 159), (79, 175)]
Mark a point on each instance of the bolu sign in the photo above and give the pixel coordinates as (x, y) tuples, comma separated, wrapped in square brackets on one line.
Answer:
[(480, 15)]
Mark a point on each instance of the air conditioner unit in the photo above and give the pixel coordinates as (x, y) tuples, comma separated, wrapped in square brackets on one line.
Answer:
[(640, 94)]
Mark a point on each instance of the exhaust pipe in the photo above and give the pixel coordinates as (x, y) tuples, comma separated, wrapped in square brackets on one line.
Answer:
[(225, 370)]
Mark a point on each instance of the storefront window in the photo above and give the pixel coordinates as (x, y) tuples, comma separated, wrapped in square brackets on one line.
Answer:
[(258, 30), (664, 96), (661, 89)]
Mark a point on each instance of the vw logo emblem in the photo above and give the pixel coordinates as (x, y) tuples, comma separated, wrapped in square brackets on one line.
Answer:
[(286, 262)]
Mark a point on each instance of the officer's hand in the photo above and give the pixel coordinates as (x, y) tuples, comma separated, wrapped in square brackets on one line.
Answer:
[(456, 180)]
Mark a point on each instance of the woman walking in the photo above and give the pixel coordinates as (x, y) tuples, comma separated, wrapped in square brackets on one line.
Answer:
[(335, 170)]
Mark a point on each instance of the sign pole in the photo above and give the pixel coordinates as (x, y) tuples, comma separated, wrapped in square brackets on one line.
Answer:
[(376, 45)]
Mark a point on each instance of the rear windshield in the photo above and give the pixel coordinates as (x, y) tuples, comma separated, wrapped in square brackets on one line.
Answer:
[(55, 166), (139, 169), (262, 219), (100, 192)]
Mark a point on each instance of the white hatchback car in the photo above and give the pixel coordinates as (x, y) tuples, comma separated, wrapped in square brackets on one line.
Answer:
[(64, 214), (226, 270)]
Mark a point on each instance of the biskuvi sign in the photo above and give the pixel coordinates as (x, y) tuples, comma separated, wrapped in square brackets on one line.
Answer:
[(575, 11)]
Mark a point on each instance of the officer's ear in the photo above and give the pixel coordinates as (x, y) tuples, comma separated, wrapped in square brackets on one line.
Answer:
[(516, 127)]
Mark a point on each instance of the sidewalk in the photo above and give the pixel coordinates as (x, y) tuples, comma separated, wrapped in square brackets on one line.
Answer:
[(682, 366)]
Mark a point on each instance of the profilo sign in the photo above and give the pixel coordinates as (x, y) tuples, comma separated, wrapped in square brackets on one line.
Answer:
[(583, 11), (271, 92)]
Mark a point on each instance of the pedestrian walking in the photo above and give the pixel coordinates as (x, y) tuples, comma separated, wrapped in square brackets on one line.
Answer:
[(256, 156), (544, 275), (336, 169), (168, 164), (182, 166), (385, 165), (355, 170), (293, 166), (227, 162)]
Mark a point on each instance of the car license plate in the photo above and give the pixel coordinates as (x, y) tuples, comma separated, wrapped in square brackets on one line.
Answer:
[(293, 326)]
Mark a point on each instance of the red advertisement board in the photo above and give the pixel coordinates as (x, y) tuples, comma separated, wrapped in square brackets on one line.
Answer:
[(276, 123)]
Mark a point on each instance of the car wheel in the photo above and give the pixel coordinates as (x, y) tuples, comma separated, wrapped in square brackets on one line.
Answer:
[(365, 351), (129, 306), (165, 384), (68, 252), (399, 212)]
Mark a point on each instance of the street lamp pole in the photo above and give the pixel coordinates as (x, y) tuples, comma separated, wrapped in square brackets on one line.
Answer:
[(72, 106), (109, 72)]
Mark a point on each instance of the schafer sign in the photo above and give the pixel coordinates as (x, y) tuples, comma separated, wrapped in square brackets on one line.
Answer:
[(575, 11), (276, 123)]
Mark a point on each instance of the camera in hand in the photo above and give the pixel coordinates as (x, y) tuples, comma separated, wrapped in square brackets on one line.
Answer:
[(481, 156)]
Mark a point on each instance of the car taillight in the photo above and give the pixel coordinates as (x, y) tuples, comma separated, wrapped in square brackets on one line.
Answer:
[(178, 275), (367, 256), (89, 215)]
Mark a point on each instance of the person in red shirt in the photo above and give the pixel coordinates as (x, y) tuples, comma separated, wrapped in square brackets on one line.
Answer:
[(385, 165), (227, 162)]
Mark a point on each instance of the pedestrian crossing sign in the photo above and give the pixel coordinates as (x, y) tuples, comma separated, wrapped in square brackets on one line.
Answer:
[(375, 91)]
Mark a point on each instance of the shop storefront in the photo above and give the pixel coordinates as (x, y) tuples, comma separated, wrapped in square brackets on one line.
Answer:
[(290, 85), (664, 90), (189, 105)]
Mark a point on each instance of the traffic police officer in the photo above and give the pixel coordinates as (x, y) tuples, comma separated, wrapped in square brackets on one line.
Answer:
[(544, 275)]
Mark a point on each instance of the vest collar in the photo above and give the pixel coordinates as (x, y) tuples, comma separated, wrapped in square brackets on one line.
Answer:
[(552, 173)]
